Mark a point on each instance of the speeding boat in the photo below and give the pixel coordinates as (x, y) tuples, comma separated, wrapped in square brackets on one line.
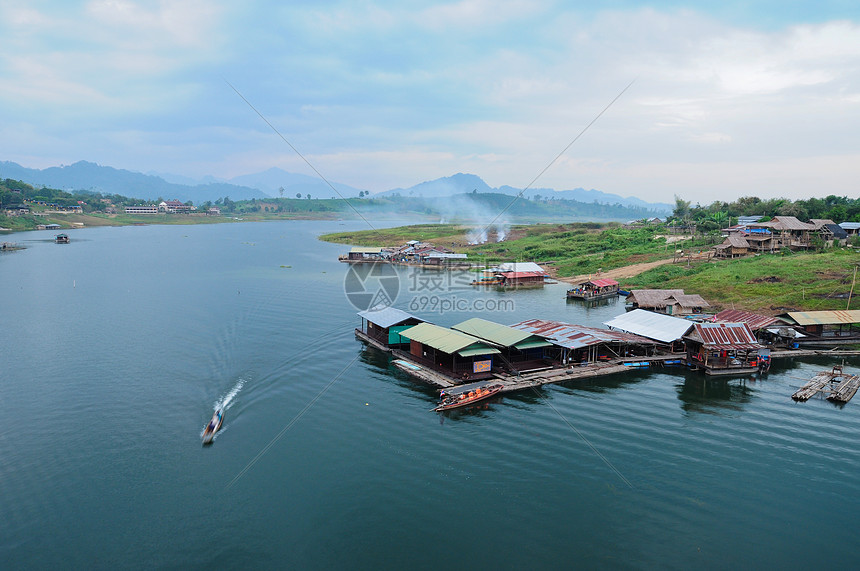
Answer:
[(213, 426)]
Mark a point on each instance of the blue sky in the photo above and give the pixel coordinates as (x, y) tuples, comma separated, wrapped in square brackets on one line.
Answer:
[(729, 99)]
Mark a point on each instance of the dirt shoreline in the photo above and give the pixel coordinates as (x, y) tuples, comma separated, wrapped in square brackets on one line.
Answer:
[(615, 274)]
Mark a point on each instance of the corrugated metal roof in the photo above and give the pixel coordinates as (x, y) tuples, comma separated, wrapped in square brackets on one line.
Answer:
[(496, 333), (850, 225), (517, 275), (386, 317), (445, 340), (664, 328), (577, 336), (365, 250), (522, 267), (754, 320), (834, 317), (724, 335)]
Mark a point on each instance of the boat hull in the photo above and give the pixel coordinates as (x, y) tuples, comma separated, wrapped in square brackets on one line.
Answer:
[(213, 427), (459, 403)]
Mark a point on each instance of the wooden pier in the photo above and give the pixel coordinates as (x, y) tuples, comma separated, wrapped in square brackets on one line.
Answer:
[(838, 386)]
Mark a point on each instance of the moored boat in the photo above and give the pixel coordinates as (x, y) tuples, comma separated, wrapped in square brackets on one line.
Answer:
[(594, 289), (464, 396), (213, 426)]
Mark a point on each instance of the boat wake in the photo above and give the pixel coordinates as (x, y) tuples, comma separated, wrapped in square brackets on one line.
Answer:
[(226, 401)]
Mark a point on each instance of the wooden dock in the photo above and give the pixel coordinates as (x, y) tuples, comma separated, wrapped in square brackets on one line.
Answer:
[(838, 386)]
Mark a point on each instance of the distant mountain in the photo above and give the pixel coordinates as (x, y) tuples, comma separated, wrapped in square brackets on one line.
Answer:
[(84, 175), (272, 180), (461, 183)]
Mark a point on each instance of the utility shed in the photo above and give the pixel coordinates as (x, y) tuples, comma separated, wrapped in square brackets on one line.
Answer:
[(521, 349), (578, 343), (734, 246), (384, 325), (657, 326), (452, 352), (722, 348)]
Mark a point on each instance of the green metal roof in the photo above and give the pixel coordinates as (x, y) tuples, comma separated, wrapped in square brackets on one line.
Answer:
[(532, 344), (446, 340), (499, 334), (485, 350)]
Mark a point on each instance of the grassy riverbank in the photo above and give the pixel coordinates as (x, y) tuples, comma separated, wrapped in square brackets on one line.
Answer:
[(769, 283)]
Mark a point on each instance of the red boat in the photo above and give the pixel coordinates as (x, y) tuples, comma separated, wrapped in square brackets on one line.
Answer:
[(465, 396)]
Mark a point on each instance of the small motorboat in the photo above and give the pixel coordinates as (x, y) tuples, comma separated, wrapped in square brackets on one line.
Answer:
[(62, 239), (213, 426), (464, 398)]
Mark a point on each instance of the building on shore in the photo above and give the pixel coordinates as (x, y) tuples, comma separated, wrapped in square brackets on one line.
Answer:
[(668, 301), (142, 209)]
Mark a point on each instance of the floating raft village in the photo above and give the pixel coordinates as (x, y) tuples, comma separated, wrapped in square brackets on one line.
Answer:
[(477, 353)]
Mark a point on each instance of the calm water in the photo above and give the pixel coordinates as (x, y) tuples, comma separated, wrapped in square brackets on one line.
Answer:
[(116, 347)]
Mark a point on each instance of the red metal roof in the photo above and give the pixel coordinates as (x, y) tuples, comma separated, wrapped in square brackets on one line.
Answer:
[(726, 335), (754, 320), (577, 336)]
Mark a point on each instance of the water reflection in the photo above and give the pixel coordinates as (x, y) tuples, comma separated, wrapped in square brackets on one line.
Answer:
[(705, 395)]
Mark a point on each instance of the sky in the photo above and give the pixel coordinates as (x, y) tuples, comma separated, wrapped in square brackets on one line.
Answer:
[(705, 101)]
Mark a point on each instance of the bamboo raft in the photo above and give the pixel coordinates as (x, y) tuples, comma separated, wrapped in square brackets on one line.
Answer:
[(839, 386)]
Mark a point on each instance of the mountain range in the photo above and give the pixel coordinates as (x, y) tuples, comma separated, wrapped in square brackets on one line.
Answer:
[(84, 175)]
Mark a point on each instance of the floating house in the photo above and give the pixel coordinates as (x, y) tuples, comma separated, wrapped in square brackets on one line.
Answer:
[(364, 254), (594, 289), (580, 344), (385, 325), (668, 301), (722, 348), (668, 331), (825, 328), (520, 350), (453, 353), (767, 329)]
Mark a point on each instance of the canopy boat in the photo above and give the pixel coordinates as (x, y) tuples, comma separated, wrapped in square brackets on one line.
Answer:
[(213, 426), (466, 395), (594, 289), (62, 238)]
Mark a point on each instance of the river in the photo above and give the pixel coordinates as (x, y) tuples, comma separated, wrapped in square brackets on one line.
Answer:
[(115, 349)]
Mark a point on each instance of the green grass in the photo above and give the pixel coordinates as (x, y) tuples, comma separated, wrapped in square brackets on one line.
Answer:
[(769, 283)]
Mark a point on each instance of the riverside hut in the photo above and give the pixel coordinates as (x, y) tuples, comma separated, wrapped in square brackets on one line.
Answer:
[(722, 348), (453, 353), (825, 327), (668, 301)]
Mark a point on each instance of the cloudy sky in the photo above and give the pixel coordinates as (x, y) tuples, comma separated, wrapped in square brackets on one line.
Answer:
[(729, 98)]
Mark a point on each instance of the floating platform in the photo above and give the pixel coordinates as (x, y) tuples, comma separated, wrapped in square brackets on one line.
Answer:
[(835, 384)]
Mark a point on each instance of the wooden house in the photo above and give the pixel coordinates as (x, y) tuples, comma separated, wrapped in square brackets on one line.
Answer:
[(668, 301), (722, 348), (734, 246), (788, 232)]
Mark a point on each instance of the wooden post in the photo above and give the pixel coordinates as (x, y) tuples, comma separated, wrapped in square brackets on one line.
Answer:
[(854, 279)]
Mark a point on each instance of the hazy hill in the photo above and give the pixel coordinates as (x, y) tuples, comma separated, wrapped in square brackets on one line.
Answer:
[(84, 175), (272, 180), (461, 183)]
